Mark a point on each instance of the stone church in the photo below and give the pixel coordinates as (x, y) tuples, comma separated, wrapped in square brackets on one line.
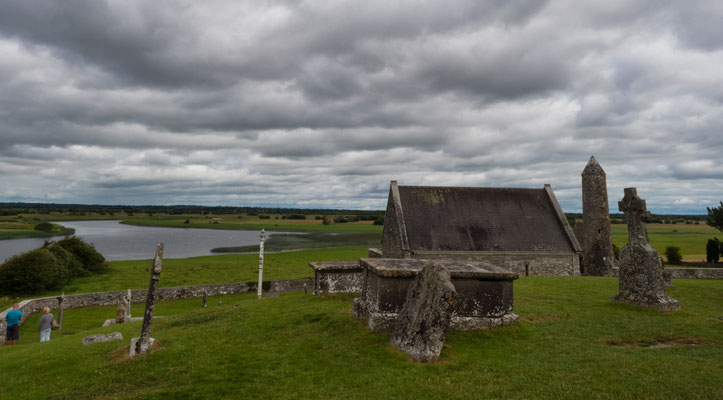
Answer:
[(522, 230)]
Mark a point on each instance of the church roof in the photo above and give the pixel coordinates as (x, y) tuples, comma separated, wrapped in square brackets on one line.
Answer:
[(483, 219)]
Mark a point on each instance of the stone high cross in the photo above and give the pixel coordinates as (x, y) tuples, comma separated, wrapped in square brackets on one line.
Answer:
[(640, 278), (636, 213), (145, 340)]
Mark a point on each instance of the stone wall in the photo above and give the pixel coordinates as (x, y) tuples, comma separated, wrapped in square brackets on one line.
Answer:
[(688, 273), (523, 263), (696, 273), (139, 296)]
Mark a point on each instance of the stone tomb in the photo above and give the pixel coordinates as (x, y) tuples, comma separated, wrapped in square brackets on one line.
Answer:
[(337, 277), (484, 292)]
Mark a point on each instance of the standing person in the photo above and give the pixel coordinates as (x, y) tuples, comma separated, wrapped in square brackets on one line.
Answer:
[(45, 325), (13, 317)]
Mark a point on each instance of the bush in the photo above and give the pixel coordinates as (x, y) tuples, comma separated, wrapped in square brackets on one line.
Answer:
[(89, 258), (44, 227), (379, 221), (32, 272), (616, 251), (188, 222), (264, 217), (672, 253), (326, 221), (712, 250), (296, 216), (67, 261)]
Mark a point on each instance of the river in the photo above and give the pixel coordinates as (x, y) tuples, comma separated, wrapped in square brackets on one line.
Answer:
[(127, 242)]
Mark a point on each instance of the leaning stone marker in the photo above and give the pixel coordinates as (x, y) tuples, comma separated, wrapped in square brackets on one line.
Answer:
[(140, 345), (100, 338), (426, 314), (641, 268)]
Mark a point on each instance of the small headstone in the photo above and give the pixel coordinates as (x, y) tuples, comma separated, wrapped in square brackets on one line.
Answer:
[(640, 278), (123, 312), (426, 314), (205, 299), (220, 303), (100, 338)]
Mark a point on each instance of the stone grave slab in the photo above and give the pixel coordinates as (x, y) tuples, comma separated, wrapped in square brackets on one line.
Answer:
[(337, 277), (484, 292)]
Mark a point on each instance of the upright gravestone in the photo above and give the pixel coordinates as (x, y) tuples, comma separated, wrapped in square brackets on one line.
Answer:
[(426, 314), (140, 345), (641, 268), (123, 313)]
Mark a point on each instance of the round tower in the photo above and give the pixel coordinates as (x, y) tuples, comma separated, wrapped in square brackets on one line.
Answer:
[(596, 243)]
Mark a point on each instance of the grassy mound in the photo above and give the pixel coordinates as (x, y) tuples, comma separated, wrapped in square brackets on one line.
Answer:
[(572, 343)]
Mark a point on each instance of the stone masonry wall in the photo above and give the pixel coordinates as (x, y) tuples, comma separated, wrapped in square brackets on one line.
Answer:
[(139, 296), (521, 263)]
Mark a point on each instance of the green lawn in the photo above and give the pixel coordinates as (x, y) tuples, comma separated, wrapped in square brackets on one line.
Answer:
[(572, 343), (690, 238)]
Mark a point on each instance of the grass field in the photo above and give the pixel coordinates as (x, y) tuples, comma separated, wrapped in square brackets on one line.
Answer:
[(572, 343), (253, 223), (124, 275), (18, 228), (689, 237)]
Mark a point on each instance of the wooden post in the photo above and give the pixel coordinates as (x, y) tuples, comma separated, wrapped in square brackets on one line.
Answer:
[(145, 339), (261, 263)]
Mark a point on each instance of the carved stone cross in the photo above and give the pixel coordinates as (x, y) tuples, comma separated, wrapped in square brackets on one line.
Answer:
[(636, 213)]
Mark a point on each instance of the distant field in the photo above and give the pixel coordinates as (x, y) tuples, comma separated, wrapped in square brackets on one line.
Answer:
[(16, 228), (275, 223), (689, 237)]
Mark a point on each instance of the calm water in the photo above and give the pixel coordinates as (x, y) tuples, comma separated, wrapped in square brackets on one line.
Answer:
[(126, 242)]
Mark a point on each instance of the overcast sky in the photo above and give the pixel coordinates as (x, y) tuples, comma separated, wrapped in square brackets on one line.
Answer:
[(321, 104)]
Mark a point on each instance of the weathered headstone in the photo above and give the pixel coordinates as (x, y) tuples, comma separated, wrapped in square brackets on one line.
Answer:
[(641, 268), (426, 314), (205, 299), (101, 338), (593, 233), (123, 312), (140, 345)]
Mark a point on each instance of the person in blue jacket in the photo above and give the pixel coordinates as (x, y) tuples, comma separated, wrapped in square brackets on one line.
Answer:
[(13, 318)]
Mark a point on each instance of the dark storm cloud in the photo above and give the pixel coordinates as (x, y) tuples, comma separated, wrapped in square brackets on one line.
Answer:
[(321, 104)]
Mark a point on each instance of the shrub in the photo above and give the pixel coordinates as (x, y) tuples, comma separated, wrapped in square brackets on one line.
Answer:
[(264, 217), (44, 227), (379, 221), (188, 222), (712, 251), (340, 220), (32, 272), (715, 217), (672, 253), (89, 258), (296, 216), (67, 261), (326, 221)]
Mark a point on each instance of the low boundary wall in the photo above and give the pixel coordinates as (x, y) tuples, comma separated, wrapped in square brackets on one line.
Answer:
[(139, 296)]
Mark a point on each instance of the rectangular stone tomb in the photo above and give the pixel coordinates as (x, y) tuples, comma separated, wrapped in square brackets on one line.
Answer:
[(337, 277), (484, 290)]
